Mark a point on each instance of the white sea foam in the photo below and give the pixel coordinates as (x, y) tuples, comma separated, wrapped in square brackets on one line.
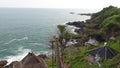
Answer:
[(13, 40), (21, 54), (37, 44), (24, 38), (71, 29), (40, 44)]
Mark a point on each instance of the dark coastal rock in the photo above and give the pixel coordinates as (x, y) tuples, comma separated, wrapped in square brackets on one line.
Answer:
[(78, 24), (86, 14), (72, 12), (98, 37), (3, 63), (81, 30), (77, 30), (88, 21)]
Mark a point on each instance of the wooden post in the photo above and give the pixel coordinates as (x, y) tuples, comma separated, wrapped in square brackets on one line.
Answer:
[(58, 52), (52, 42)]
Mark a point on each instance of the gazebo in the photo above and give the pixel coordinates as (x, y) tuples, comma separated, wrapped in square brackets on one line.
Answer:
[(105, 51)]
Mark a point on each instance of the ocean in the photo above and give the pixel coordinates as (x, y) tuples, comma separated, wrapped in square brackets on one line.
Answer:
[(24, 30)]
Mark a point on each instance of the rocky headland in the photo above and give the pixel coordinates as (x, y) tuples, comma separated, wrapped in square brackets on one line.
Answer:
[(102, 27)]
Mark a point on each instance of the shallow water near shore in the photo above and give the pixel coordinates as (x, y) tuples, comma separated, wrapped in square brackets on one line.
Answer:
[(24, 30)]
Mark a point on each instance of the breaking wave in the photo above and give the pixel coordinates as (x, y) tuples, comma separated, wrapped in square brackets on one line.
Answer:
[(13, 40), (21, 54)]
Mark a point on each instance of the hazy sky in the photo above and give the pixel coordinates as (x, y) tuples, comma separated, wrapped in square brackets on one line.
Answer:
[(84, 4)]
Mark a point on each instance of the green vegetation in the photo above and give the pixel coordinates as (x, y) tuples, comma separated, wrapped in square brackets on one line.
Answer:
[(49, 63), (105, 13), (61, 28), (107, 22), (111, 25), (75, 56)]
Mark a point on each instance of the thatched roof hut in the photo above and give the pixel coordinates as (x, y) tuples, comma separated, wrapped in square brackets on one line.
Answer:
[(31, 61)]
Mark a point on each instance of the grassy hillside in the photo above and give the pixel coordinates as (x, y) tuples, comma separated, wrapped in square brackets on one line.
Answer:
[(99, 17), (75, 56), (108, 23), (79, 62)]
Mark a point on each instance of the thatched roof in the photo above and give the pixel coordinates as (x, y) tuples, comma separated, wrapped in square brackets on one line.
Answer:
[(31, 61)]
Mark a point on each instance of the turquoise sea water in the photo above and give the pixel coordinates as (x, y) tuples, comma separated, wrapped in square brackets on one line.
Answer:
[(23, 30)]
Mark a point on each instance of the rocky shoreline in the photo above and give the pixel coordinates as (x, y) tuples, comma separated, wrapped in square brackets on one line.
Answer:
[(86, 14), (83, 26)]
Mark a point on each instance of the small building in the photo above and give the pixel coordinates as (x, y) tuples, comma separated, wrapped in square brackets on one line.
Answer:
[(71, 42), (30, 61), (104, 51), (92, 41)]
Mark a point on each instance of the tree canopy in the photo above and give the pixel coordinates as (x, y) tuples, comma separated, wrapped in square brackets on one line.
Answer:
[(104, 14), (111, 24)]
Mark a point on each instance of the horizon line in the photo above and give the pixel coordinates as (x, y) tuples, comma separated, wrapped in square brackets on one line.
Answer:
[(99, 8)]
